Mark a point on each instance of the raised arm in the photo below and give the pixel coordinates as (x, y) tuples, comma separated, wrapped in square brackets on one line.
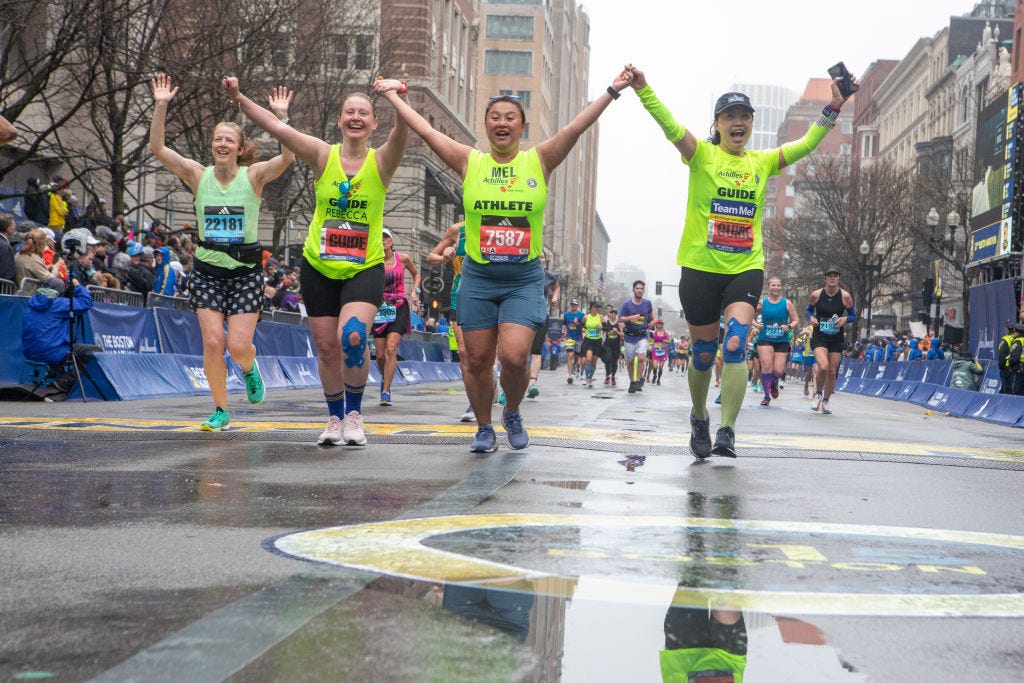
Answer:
[(454, 154), (389, 155), (677, 134), (553, 151), (791, 152), (311, 150), (263, 172), (187, 170), (445, 249)]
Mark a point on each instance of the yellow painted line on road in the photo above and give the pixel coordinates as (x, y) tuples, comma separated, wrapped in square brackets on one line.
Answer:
[(399, 548), (651, 439)]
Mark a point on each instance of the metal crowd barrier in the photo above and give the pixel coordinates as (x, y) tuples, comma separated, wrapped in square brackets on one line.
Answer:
[(290, 317), (107, 295), (29, 286), (8, 287), (163, 301)]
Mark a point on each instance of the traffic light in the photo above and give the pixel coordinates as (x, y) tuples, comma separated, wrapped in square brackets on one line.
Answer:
[(657, 288)]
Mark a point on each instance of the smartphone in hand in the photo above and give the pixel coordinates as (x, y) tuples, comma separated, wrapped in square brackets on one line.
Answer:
[(846, 85)]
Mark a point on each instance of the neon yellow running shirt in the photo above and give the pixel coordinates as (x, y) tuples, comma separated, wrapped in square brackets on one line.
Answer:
[(226, 214), (592, 326), (504, 205), (344, 242), (722, 233)]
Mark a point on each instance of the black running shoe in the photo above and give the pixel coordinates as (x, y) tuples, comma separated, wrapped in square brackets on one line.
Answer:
[(632, 387), (700, 436), (725, 443)]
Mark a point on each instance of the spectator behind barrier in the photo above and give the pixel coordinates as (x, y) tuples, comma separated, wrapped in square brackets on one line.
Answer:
[(45, 335), (37, 208), (166, 277), (935, 351), (139, 275), (966, 371), (7, 271), (28, 262)]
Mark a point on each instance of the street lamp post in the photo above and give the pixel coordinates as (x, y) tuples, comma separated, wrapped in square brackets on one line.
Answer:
[(870, 268), (943, 245)]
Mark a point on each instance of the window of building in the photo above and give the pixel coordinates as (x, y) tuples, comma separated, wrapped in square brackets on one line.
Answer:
[(790, 191), (526, 132), (510, 62), (505, 27), (845, 149), (791, 169), (364, 51), (788, 212), (847, 127), (515, 2), (769, 211)]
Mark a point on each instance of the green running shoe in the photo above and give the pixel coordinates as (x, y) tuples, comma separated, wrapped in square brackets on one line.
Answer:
[(254, 387), (218, 421)]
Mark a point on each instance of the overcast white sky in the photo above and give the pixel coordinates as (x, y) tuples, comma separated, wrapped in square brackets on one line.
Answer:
[(691, 54)]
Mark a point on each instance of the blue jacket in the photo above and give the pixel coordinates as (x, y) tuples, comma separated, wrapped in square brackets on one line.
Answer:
[(915, 350), (44, 335), (166, 278), (936, 352)]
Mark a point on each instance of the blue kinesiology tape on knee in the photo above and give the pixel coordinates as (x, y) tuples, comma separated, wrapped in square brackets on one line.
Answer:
[(354, 353), (701, 347), (734, 328)]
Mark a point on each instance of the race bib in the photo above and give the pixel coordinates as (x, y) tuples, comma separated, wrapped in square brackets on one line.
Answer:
[(386, 314), (731, 226), (774, 331), (224, 224), (828, 327), (504, 239), (344, 241)]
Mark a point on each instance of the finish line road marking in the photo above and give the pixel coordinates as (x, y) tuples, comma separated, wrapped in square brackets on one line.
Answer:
[(668, 439)]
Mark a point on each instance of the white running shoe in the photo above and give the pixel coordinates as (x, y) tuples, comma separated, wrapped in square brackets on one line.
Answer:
[(468, 416), (352, 431), (332, 435)]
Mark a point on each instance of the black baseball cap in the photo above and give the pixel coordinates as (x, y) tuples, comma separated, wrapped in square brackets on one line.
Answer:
[(832, 269), (732, 99)]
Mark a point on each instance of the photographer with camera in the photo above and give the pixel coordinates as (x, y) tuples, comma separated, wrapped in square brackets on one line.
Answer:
[(46, 335), (80, 249)]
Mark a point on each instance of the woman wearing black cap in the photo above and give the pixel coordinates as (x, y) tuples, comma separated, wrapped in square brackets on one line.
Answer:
[(828, 310), (721, 251)]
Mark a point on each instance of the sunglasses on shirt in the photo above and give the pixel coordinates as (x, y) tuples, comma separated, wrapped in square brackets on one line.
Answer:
[(343, 189)]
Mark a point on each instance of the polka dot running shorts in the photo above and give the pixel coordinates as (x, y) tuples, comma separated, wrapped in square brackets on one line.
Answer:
[(229, 295)]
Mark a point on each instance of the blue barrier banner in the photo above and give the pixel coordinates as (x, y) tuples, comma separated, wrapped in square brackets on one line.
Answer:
[(374, 379), (906, 390), (991, 305), (14, 203), (955, 401), (411, 349), (123, 329), (301, 372), (452, 372), (1001, 409), (302, 342), (410, 375), (892, 391), (922, 392), (272, 373), (271, 339), (179, 331), (430, 372), (149, 375), (97, 388), (937, 371), (991, 381), (914, 371)]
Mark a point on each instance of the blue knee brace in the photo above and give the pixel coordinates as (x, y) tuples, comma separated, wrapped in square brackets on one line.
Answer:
[(354, 354), (701, 347), (735, 329)]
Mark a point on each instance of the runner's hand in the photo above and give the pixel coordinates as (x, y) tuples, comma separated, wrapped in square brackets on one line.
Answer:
[(230, 85), (639, 81), (279, 100), (162, 90)]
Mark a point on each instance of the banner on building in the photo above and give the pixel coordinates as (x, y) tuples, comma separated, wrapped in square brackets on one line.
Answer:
[(995, 155)]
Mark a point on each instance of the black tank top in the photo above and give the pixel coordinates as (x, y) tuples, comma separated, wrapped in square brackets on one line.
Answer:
[(826, 308)]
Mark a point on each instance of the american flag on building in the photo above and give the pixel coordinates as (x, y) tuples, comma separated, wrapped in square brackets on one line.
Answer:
[(600, 283)]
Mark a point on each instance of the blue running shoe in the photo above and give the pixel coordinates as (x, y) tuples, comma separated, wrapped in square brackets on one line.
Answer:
[(218, 421), (385, 398), (255, 389), (513, 424), (486, 440)]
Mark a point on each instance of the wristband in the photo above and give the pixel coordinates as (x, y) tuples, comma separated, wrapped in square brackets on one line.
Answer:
[(614, 93), (404, 89), (285, 120), (828, 117)]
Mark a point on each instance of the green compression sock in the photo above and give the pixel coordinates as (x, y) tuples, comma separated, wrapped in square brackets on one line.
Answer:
[(699, 381), (734, 388)]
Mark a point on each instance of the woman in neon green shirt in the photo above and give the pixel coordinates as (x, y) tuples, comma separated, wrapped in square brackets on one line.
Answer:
[(720, 251), (501, 299), (342, 275), (226, 281)]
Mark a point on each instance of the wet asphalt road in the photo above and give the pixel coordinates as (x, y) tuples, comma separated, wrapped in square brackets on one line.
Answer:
[(879, 543)]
